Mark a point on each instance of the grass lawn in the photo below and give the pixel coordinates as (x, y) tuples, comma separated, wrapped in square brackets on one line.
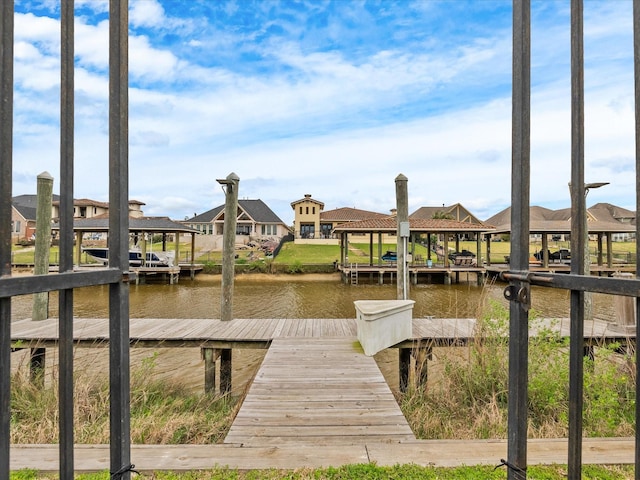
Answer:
[(358, 252), (290, 253), (363, 471)]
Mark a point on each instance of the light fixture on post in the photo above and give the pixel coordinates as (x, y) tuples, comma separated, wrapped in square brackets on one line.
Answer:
[(588, 300)]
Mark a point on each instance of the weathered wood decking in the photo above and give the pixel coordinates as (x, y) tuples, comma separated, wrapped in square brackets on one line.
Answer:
[(289, 419), (258, 333), (318, 391), (436, 453), (217, 338)]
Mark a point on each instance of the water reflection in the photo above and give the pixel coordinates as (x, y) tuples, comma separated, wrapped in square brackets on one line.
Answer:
[(303, 297)]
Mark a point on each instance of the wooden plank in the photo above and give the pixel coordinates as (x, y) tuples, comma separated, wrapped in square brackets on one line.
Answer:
[(323, 391), (181, 332), (437, 453)]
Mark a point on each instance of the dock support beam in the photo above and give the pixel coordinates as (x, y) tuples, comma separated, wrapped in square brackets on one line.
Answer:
[(210, 357), (404, 363), (225, 370)]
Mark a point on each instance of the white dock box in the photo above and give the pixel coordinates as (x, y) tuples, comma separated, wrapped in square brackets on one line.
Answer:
[(383, 323)]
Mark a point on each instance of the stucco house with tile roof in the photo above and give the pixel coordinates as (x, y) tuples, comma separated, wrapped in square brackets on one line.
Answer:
[(314, 225)]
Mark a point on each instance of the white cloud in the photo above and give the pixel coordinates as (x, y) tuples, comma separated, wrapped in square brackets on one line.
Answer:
[(336, 108), (146, 13)]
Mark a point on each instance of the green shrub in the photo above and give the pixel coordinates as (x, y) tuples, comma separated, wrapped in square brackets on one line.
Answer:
[(296, 267), (471, 395)]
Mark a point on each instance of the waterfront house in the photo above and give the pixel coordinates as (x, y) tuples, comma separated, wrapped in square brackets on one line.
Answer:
[(255, 222), (87, 208), (23, 216), (23, 223), (314, 225)]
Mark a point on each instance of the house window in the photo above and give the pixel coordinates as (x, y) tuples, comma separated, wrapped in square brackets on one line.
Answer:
[(307, 230), (314, 210), (268, 229), (307, 210), (300, 210), (17, 230)]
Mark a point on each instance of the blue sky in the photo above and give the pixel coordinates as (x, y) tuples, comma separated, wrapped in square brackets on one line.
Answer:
[(330, 98)]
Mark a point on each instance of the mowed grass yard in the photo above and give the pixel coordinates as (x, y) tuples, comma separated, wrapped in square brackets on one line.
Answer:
[(624, 252), (359, 252)]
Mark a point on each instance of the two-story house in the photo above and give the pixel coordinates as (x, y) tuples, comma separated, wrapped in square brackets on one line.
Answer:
[(313, 224)]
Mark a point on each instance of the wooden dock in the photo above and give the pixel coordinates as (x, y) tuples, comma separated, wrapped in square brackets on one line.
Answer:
[(318, 391), (434, 453), (316, 402), (216, 338)]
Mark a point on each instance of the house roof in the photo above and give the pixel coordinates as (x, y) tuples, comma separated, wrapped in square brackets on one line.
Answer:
[(28, 213), (30, 200), (390, 224), (601, 219), (347, 214), (307, 198), (256, 209), (455, 211)]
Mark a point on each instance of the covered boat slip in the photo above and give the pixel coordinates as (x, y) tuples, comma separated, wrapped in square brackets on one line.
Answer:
[(449, 232), (375, 229), (144, 262), (436, 264)]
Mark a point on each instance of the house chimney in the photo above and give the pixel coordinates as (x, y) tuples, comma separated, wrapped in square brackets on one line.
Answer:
[(307, 195), (394, 212)]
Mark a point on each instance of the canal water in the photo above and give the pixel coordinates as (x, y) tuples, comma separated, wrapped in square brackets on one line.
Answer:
[(280, 296), (305, 296)]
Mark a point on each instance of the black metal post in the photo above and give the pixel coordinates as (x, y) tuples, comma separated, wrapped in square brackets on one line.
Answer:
[(636, 68), (65, 298), (578, 236), (518, 305), (6, 162), (119, 356)]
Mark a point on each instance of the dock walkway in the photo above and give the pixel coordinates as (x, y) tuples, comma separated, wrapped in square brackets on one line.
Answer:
[(216, 338), (300, 415), (318, 391)]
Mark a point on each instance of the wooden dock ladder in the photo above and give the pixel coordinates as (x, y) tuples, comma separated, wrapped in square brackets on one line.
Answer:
[(354, 273)]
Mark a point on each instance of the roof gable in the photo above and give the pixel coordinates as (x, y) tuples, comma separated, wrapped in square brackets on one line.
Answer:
[(28, 213), (307, 198), (255, 210), (455, 212)]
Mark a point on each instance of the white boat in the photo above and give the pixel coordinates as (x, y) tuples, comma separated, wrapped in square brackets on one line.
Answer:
[(153, 259)]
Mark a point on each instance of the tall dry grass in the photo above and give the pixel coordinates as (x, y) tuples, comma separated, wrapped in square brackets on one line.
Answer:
[(163, 411), (467, 390)]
